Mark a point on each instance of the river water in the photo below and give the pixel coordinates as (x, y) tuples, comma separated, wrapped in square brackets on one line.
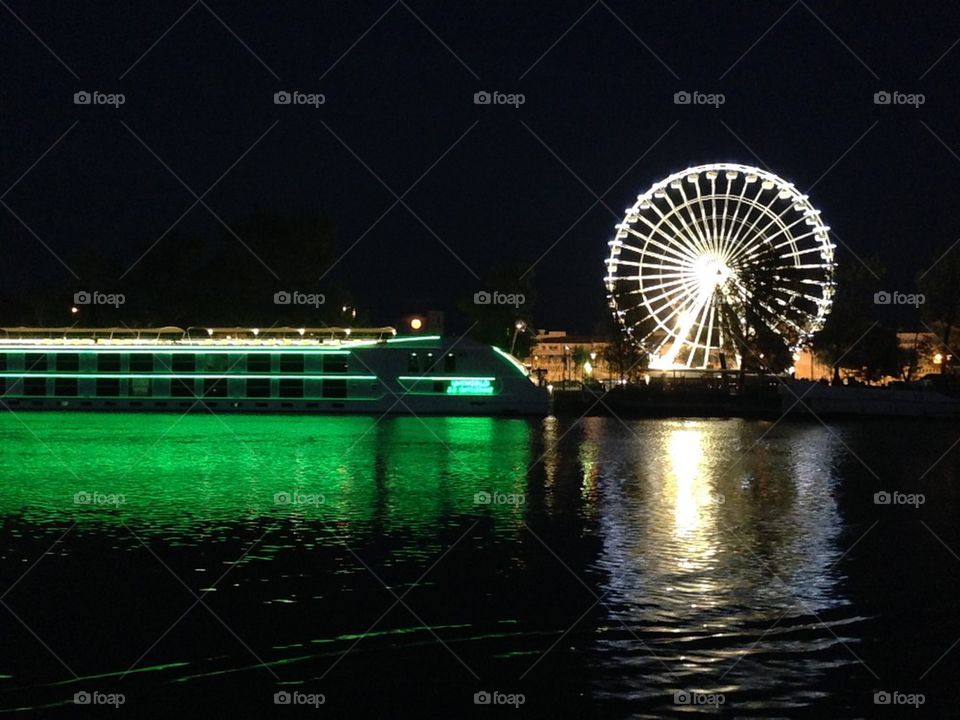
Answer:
[(235, 565)]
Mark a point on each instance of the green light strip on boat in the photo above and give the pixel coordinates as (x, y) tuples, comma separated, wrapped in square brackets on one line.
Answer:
[(183, 376), (139, 349)]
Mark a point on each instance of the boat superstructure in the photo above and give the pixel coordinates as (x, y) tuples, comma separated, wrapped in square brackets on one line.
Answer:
[(318, 370)]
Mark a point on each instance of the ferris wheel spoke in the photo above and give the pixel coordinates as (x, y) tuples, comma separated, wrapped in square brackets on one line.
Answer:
[(753, 204), (671, 245), (689, 226)]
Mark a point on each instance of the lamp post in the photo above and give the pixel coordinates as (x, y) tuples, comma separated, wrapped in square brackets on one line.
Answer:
[(518, 327)]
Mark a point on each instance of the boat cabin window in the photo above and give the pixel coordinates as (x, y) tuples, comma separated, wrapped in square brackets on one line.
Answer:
[(183, 363), (258, 388), (215, 362), (108, 363), (108, 387), (291, 388), (215, 388), (3, 363), (141, 362), (291, 363), (413, 363), (34, 386), (334, 388), (258, 363), (35, 362), (68, 362), (65, 387), (140, 387), (450, 363), (181, 388), (334, 363)]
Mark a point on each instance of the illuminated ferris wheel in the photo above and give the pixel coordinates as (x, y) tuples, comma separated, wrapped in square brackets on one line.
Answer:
[(711, 259)]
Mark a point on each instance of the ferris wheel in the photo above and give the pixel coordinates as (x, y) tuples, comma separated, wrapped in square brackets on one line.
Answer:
[(713, 258)]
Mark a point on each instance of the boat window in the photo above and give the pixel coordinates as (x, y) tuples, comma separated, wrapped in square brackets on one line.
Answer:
[(108, 363), (215, 387), (65, 387), (35, 362), (181, 388), (108, 387), (34, 386), (68, 362), (334, 388), (184, 363), (450, 363), (258, 388), (258, 363), (413, 364), (3, 387), (3, 363), (291, 388), (141, 362), (215, 362), (140, 387), (334, 363), (291, 363)]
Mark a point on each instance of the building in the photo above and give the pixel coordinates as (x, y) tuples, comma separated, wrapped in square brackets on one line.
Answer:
[(556, 354)]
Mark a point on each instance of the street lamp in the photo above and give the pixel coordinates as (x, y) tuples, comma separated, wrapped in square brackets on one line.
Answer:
[(518, 327)]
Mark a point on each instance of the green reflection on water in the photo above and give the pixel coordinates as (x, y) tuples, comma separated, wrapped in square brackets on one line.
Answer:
[(172, 473)]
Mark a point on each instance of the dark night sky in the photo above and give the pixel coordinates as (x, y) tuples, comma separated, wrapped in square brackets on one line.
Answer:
[(801, 98)]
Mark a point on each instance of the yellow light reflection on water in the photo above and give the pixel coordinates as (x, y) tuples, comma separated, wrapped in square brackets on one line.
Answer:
[(694, 504)]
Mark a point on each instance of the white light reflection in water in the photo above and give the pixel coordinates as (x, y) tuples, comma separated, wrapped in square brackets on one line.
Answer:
[(712, 530)]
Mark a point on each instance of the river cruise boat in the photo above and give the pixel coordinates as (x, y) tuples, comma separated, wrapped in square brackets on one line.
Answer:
[(277, 370)]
